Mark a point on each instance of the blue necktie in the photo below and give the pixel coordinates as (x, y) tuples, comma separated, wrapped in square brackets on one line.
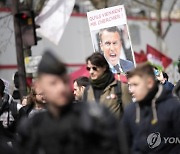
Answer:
[(117, 68)]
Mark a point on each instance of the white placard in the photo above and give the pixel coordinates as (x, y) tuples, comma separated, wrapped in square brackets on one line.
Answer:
[(110, 36), (54, 18), (31, 64)]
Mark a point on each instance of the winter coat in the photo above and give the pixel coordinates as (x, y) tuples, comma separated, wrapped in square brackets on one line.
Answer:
[(109, 97), (9, 114), (167, 124), (25, 110), (168, 85), (81, 128), (29, 110), (176, 90)]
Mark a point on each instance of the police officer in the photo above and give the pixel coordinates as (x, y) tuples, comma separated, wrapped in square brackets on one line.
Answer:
[(67, 127)]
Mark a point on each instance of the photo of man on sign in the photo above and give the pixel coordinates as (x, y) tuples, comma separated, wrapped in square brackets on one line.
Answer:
[(111, 45), (114, 44), (111, 37)]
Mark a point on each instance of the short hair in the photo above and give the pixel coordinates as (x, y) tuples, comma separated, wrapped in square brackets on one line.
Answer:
[(98, 60), (2, 87), (165, 75), (144, 69), (109, 29), (82, 81)]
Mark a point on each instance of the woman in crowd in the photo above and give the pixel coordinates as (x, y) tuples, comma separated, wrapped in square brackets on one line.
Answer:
[(35, 103)]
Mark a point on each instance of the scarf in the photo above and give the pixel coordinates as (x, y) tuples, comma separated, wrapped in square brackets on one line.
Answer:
[(103, 81)]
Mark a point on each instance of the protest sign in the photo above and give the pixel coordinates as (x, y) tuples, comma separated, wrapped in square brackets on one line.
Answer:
[(110, 36), (54, 18)]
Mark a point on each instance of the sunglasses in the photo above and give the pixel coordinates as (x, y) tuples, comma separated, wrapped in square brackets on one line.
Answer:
[(89, 68)]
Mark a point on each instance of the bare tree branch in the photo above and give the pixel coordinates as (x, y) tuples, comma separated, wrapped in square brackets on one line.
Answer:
[(169, 19), (5, 16), (99, 4), (145, 4), (36, 5), (151, 27), (159, 4), (154, 29)]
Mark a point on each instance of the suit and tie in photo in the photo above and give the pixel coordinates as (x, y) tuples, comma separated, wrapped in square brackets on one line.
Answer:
[(112, 46)]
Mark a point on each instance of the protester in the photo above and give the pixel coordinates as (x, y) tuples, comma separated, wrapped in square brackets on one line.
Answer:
[(24, 100), (35, 103), (79, 85), (111, 46), (163, 78), (103, 86), (176, 90), (8, 112), (5, 148), (66, 127), (155, 113)]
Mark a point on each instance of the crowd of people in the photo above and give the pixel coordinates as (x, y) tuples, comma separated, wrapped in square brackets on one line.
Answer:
[(101, 115)]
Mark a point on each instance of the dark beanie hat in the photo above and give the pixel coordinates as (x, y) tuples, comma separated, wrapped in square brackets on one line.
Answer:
[(50, 64)]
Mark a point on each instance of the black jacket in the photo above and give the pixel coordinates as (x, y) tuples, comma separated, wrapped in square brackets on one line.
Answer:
[(25, 110), (82, 128), (168, 125), (176, 90), (8, 115)]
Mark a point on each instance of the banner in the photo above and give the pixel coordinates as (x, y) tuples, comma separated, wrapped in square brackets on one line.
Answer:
[(110, 36), (157, 57), (140, 57), (31, 63)]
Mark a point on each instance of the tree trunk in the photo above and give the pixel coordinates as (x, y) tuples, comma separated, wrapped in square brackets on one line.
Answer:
[(159, 4)]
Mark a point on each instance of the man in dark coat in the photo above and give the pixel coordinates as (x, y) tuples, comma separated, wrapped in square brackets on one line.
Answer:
[(168, 85), (66, 127), (79, 86), (9, 110), (154, 117), (176, 90), (104, 88), (162, 77), (5, 148)]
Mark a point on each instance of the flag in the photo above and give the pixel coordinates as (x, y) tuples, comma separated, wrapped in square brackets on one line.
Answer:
[(121, 77), (140, 57), (156, 57), (80, 72), (54, 18)]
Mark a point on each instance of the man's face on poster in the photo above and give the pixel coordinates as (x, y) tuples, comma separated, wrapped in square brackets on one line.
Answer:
[(111, 46)]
